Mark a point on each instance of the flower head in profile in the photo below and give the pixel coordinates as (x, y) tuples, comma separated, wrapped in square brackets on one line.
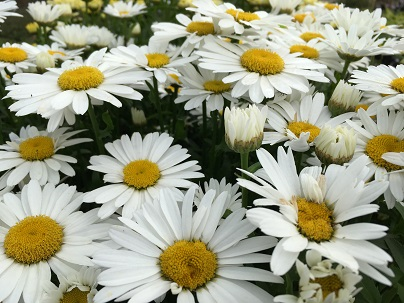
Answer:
[(73, 36), (344, 99), (43, 233), (5, 8), (35, 154), (44, 13), (138, 170), (123, 9), (167, 247), (313, 212), (244, 127)]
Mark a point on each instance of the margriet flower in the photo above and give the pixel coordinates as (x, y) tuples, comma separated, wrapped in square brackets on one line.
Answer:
[(344, 99), (5, 8), (44, 13)]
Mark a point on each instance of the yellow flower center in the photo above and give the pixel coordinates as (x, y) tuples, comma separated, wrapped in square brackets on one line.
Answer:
[(123, 13), (262, 61), (329, 284), (141, 174), (307, 51), (307, 36), (364, 106), (242, 16), (300, 17), (37, 148), (189, 264), (52, 52), (12, 54), (201, 28), (157, 60), (398, 84), (379, 145), (216, 86), (330, 6), (34, 239), (303, 127), (81, 78), (75, 296), (314, 220)]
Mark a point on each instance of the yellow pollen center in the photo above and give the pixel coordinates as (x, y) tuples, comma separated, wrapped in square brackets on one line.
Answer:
[(157, 60), (303, 127), (329, 284), (242, 16), (307, 51), (216, 86), (51, 52), (123, 13), (12, 54), (75, 296), (379, 145), (398, 84), (314, 220), (141, 174), (81, 78), (34, 239), (300, 17), (307, 36), (330, 6), (189, 264), (201, 28), (37, 148), (262, 61)]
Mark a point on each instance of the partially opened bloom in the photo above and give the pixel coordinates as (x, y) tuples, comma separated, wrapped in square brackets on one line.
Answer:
[(122, 9), (377, 138), (314, 210), (44, 13), (43, 232), (344, 98), (139, 169), (170, 247), (34, 154)]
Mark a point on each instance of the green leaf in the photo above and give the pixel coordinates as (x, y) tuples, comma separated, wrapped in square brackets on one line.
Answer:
[(396, 249), (370, 292)]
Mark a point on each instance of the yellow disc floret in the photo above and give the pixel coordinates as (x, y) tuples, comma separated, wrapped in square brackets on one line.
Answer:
[(188, 263), (242, 16), (216, 86), (201, 28), (379, 145), (307, 51), (34, 239), (307, 36), (330, 6), (141, 174), (74, 296), (314, 220), (53, 52), (37, 148), (329, 284), (81, 78), (398, 85), (12, 54), (157, 60), (303, 127), (262, 61)]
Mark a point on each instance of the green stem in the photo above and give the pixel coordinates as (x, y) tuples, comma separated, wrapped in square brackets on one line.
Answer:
[(96, 129), (244, 166), (157, 102), (212, 163)]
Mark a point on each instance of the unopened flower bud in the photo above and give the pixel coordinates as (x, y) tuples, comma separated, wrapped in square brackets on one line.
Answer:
[(138, 116), (344, 99), (44, 60), (136, 30)]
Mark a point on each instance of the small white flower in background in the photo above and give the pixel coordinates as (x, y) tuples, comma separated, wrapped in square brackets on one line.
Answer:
[(344, 99), (45, 13), (284, 6), (321, 281), (14, 58), (138, 116), (73, 36), (335, 145), (5, 8), (34, 154), (123, 9), (244, 127), (43, 61)]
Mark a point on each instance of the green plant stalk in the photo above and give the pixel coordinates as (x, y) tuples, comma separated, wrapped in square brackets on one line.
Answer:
[(96, 129), (157, 102), (244, 166)]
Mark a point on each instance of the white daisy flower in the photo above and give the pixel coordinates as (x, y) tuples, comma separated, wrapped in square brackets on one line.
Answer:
[(153, 57), (70, 87), (73, 36), (139, 170), (78, 286), (44, 13), (122, 9), (233, 202), (105, 38), (320, 281), (378, 138), (5, 8), (172, 248), (203, 86), (42, 232), (299, 122), (382, 79), (14, 58), (284, 6), (313, 210), (33, 154), (260, 71)]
